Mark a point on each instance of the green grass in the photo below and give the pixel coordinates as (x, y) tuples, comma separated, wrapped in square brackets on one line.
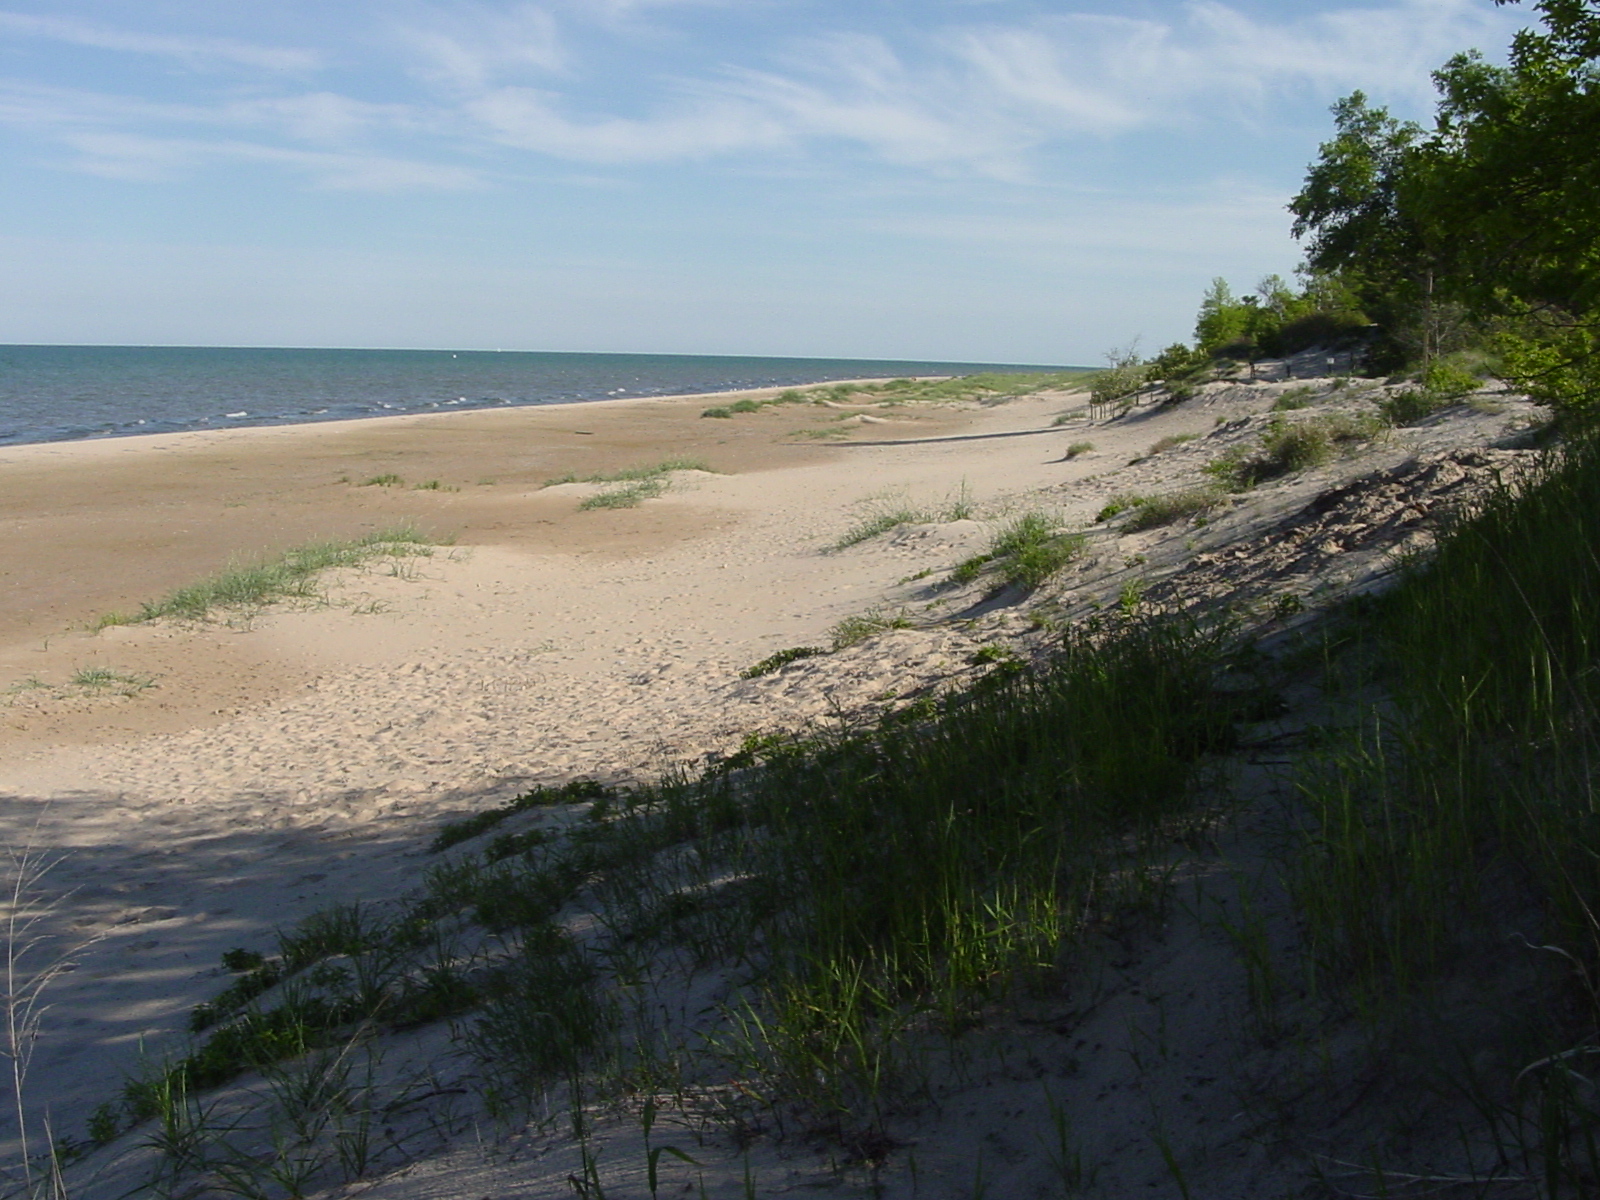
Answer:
[(629, 495), (1168, 508), (873, 886), (292, 575), (1288, 447), (1168, 442), (1451, 861), (106, 679), (779, 660), (389, 480), (853, 630), (1079, 448)]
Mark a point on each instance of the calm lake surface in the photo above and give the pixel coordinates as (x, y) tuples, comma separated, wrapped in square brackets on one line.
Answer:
[(57, 393)]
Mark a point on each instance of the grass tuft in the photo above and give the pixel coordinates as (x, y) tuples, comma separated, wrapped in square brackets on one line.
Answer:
[(853, 630), (781, 659), (291, 576), (1168, 508), (630, 495)]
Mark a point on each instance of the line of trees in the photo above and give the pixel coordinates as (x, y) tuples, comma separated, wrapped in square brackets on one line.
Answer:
[(1479, 235)]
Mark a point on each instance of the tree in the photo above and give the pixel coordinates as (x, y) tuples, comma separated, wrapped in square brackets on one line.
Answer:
[(1222, 318), (1494, 214)]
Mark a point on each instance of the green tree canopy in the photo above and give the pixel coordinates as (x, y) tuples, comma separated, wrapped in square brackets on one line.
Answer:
[(1495, 209)]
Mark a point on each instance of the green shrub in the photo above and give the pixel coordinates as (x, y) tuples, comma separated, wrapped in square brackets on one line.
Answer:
[(853, 630), (1031, 548), (1410, 405), (1168, 442), (781, 659), (1171, 507), (1117, 505), (1449, 380), (572, 792), (1293, 399)]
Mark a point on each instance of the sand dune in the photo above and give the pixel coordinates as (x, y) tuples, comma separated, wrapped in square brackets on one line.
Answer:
[(263, 764)]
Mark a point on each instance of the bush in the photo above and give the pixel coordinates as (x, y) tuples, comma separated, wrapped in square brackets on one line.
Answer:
[(1288, 447), (1331, 329), (1410, 405), (1171, 507)]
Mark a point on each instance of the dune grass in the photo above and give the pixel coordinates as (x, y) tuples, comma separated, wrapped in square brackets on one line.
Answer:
[(1451, 862), (636, 484), (887, 882), (292, 575), (886, 512), (1024, 552), (640, 474), (990, 387)]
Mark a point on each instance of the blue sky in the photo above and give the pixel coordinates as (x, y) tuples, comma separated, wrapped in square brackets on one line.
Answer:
[(984, 180)]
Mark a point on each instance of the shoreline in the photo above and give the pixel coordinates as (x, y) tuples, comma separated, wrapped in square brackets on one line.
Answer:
[(182, 437)]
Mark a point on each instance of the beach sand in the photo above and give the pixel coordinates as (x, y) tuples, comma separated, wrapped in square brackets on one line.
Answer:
[(305, 754)]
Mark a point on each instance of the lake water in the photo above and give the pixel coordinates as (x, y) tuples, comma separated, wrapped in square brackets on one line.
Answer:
[(56, 393)]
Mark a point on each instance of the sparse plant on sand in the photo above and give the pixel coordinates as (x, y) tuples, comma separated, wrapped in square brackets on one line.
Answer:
[(1078, 449), (876, 523), (1168, 442), (1168, 508), (100, 679), (854, 630), (781, 659), (32, 963), (290, 576), (637, 484), (1024, 552), (386, 480), (1287, 447)]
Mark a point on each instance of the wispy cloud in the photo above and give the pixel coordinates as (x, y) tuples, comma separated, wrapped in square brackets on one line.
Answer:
[(195, 51), (468, 48), (984, 96), (130, 156)]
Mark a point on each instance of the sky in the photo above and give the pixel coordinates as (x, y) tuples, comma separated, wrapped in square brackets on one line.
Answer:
[(975, 180)]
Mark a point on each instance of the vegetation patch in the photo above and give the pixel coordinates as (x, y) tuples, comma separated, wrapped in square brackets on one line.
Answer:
[(1168, 442), (290, 576), (1168, 508), (853, 630), (1288, 447), (781, 659), (1024, 552), (573, 792)]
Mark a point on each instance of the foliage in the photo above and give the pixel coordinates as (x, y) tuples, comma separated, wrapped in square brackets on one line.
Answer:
[(781, 659), (292, 575), (1487, 224), (1122, 378), (1171, 507)]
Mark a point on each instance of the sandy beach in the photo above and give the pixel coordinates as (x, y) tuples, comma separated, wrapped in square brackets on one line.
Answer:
[(265, 764)]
